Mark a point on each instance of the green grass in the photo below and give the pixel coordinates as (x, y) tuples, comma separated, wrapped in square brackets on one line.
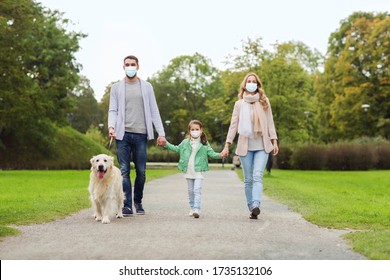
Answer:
[(335, 199), (42, 196), (358, 200)]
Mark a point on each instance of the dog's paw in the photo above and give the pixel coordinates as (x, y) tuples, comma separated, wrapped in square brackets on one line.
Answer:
[(119, 215), (98, 218), (105, 220)]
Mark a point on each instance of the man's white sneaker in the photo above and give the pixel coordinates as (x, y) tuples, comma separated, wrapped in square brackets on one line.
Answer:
[(191, 213)]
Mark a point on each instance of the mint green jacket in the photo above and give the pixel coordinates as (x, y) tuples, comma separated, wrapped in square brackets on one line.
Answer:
[(201, 157)]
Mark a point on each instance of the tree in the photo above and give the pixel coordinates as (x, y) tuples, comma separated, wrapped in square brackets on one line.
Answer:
[(86, 112), (104, 104), (182, 89), (357, 73), (38, 71), (287, 76)]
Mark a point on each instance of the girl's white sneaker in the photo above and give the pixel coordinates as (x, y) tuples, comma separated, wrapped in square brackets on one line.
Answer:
[(191, 213)]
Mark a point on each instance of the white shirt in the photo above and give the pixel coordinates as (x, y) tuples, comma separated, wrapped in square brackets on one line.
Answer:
[(191, 173)]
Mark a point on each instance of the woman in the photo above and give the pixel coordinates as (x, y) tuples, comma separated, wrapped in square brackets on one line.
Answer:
[(252, 119)]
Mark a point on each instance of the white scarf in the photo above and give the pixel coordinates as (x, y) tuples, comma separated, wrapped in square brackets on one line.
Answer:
[(249, 116)]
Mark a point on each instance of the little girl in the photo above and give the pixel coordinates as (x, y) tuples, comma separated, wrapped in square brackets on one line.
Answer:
[(194, 152)]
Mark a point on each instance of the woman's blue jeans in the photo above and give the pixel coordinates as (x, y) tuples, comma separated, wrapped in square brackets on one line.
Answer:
[(253, 165), (132, 146)]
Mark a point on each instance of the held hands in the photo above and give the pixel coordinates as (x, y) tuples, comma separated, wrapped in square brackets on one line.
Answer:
[(161, 141), (225, 152)]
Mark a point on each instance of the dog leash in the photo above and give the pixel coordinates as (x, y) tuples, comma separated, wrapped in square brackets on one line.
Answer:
[(110, 144)]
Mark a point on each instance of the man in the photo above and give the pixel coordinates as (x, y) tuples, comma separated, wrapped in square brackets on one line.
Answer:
[(132, 113)]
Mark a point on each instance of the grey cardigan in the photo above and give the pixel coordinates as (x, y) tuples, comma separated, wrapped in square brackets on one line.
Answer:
[(116, 111)]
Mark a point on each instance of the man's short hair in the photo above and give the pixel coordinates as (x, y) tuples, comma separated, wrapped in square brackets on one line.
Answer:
[(131, 57)]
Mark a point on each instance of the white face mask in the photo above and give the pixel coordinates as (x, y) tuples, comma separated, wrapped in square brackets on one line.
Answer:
[(251, 87), (131, 71), (195, 134)]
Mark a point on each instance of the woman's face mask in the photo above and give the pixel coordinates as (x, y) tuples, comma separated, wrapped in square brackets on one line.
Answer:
[(251, 87)]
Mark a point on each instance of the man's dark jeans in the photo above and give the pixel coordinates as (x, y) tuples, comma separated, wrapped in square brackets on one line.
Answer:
[(132, 146)]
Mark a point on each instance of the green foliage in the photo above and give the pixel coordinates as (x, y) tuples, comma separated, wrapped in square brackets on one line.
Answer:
[(38, 71), (41, 86), (158, 154), (103, 107), (286, 76), (356, 73), (96, 135), (182, 89), (69, 149), (86, 111)]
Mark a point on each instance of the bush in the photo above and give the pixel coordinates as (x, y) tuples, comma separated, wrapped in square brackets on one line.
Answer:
[(159, 154), (349, 157), (310, 157), (283, 159), (382, 156)]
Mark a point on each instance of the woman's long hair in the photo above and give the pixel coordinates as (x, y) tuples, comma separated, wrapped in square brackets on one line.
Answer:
[(263, 97), (203, 137)]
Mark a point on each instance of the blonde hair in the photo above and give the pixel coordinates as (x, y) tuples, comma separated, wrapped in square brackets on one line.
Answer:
[(263, 97), (203, 137)]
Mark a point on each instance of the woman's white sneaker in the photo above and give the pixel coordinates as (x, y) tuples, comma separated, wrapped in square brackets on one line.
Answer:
[(196, 214)]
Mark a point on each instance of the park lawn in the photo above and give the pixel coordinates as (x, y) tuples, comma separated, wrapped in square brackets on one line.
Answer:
[(353, 200), (41, 196)]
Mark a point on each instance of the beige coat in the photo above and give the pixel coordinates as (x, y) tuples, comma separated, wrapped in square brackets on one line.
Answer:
[(267, 127)]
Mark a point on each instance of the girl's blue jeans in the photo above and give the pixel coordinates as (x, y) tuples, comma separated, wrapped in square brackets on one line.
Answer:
[(194, 193)]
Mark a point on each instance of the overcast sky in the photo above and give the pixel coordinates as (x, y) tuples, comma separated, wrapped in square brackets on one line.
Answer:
[(157, 31)]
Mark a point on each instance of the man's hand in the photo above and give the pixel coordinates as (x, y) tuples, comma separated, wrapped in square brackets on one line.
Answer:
[(111, 132), (161, 141)]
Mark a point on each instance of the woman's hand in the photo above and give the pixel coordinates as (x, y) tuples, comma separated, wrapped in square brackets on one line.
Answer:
[(276, 148), (225, 151)]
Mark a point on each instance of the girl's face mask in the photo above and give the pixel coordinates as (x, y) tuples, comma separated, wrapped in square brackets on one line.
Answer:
[(195, 134)]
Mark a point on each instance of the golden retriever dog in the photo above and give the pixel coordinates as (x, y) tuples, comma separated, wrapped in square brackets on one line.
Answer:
[(105, 188)]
